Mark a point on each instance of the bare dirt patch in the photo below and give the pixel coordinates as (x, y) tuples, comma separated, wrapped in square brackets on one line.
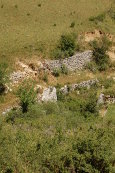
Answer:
[(96, 34)]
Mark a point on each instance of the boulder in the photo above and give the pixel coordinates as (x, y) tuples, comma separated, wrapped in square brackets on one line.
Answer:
[(101, 99), (49, 94)]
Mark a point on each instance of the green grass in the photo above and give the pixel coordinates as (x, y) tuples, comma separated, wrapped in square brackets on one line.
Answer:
[(111, 111), (39, 140), (31, 27)]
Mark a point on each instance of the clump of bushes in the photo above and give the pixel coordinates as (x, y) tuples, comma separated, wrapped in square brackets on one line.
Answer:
[(99, 18), (66, 46), (107, 83), (111, 13), (110, 91), (3, 68), (63, 70), (39, 5), (56, 72), (91, 66), (100, 56), (45, 77), (27, 95), (72, 25)]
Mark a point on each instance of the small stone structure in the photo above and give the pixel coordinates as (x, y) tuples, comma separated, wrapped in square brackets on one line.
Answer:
[(76, 62)]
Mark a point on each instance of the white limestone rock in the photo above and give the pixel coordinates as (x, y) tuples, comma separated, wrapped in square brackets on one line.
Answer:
[(49, 94)]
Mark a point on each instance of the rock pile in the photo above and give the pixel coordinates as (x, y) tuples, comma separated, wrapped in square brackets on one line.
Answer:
[(25, 73), (76, 62)]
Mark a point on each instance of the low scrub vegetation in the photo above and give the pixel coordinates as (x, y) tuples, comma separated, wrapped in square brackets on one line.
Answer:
[(67, 136), (66, 46), (26, 94), (3, 68), (99, 18), (100, 56), (62, 70)]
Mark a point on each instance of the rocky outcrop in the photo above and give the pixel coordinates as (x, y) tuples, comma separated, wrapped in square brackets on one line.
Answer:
[(101, 99), (76, 62), (49, 94)]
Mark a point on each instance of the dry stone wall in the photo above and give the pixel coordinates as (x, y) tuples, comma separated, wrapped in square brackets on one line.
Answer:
[(76, 62)]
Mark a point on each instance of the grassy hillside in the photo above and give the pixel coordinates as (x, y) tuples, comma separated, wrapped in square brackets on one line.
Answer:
[(57, 138), (36, 26)]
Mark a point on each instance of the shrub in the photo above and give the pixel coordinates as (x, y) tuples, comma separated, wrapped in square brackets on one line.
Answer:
[(99, 18), (60, 95), (3, 68), (64, 69), (72, 25), (39, 5), (45, 77), (2, 6), (66, 46), (110, 92), (111, 13), (100, 53), (51, 108), (107, 83), (56, 72), (27, 95), (16, 6), (91, 66)]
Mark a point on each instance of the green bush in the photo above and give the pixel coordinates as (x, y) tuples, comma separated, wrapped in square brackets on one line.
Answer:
[(85, 107), (111, 13), (110, 92), (91, 66), (99, 18), (72, 25), (64, 69), (3, 70), (56, 72), (51, 108), (100, 53), (45, 77), (66, 47), (56, 138), (27, 95), (107, 83)]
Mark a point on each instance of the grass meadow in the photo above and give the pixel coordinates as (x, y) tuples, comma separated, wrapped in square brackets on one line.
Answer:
[(35, 26)]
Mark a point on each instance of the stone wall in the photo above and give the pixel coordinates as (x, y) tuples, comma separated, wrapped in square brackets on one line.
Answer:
[(76, 62), (85, 84), (50, 93)]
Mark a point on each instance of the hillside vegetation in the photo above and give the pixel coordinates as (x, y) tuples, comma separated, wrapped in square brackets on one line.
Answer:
[(57, 86), (36, 26)]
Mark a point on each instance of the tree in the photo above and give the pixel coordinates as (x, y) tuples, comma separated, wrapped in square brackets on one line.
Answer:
[(66, 46), (26, 94), (100, 56)]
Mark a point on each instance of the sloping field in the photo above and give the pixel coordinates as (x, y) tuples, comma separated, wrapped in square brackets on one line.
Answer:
[(36, 25)]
